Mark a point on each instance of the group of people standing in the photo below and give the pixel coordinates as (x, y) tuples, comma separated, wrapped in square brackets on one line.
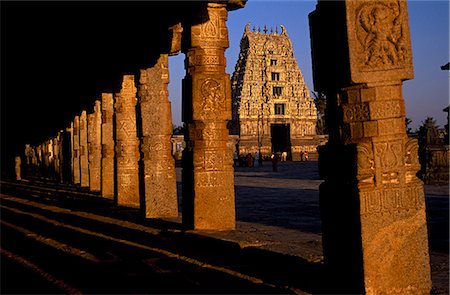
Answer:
[(249, 160), (256, 159)]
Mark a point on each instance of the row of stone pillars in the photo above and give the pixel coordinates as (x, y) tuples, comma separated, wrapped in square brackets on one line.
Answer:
[(372, 203), (101, 150), (123, 148)]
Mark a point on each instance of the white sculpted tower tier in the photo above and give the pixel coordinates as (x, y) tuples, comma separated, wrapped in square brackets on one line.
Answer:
[(272, 107)]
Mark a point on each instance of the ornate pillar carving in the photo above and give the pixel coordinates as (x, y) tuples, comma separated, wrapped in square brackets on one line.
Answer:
[(84, 163), (56, 156), (107, 141), (159, 166), (76, 150), (372, 203), (95, 147), (127, 144), (68, 173), (208, 183)]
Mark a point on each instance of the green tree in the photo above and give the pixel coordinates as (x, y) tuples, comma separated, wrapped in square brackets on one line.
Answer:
[(321, 103)]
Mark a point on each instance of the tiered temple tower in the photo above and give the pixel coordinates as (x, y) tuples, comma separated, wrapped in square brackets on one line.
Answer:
[(272, 107)]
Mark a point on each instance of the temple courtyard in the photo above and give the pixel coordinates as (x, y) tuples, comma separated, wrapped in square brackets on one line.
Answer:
[(58, 238)]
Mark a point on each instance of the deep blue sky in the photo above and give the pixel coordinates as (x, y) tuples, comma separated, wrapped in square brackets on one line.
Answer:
[(426, 95)]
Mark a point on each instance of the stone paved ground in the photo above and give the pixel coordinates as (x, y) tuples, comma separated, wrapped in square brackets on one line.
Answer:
[(279, 211), (58, 238)]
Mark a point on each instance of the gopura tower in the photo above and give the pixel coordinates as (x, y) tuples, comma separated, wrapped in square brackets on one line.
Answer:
[(272, 107)]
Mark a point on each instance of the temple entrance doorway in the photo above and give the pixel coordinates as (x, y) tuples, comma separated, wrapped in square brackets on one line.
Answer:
[(281, 138)]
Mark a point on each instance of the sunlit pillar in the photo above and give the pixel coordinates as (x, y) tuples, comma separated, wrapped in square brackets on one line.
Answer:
[(208, 183), (95, 147), (373, 205), (127, 144), (159, 166), (76, 150), (107, 163)]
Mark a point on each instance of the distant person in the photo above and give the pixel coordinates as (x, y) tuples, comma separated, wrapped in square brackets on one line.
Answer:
[(275, 159), (260, 160), (18, 163), (306, 156), (301, 155), (255, 159), (235, 158), (283, 156), (249, 160)]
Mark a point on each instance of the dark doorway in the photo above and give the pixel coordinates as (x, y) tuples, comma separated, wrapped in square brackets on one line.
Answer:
[(281, 138)]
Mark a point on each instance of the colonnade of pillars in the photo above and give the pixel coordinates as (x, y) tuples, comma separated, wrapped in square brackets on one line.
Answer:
[(372, 203), (123, 149)]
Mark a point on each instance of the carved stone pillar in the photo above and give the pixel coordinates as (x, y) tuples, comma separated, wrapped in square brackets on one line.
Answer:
[(56, 160), (208, 183), (127, 144), (95, 147), (50, 165), (69, 177), (84, 162), (107, 164), (76, 150), (372, 203), (61, 158), (159, 166)]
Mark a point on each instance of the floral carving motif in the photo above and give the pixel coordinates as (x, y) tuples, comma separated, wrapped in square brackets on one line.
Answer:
[(380, 34)]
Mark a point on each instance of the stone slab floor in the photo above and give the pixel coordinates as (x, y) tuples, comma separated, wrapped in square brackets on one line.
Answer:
[(61, 239), (279, 211)]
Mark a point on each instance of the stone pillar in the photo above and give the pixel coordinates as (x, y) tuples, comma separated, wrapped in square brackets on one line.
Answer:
[(61, 158), (76, 150), (95, 147), (56, 162), (208, 183), (127, 145), (18, 167), (107, 163), (372, 203), (46, 159), (159, 165), (70, 177), (51, 159), (84, 163)]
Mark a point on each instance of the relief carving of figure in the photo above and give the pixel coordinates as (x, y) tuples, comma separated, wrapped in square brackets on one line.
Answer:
[(213, 98), (380, 34)]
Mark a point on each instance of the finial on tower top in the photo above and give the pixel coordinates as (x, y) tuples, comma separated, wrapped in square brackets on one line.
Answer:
[(276, 30), (265, 29), (283, 30), (246, 29)]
